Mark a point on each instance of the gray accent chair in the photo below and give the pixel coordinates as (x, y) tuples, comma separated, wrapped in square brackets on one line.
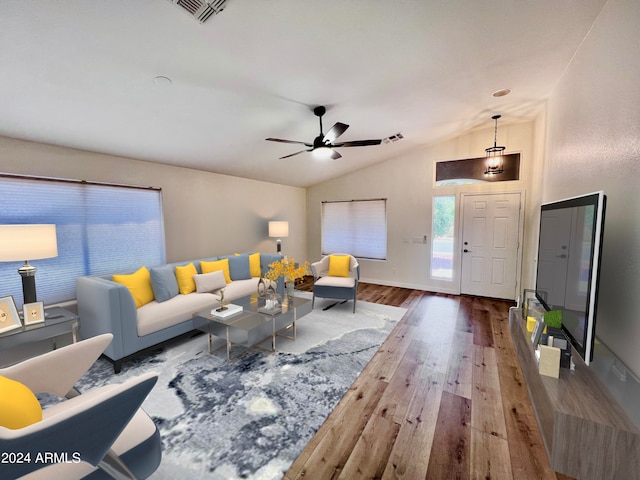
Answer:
[(103, 433), (339, 288)]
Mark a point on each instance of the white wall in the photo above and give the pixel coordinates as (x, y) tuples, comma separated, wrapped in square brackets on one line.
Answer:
[(594, 144), (408, 184), (205, 213)]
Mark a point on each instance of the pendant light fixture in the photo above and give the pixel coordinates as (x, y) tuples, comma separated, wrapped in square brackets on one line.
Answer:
[(495, 159)]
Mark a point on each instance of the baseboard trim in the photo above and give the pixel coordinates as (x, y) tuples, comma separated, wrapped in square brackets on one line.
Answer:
[(424, 288)]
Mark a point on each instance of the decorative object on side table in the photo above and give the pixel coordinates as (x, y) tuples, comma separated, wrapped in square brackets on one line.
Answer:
[(9, 318), (262, 287), (228, 311), (534, 312), (549, 361), (223, 310), (286, 268), (222, 307), (265, 287), (537, 332), (523, 302), (271, 305), (555, 337), (553, 318), (33, 313)]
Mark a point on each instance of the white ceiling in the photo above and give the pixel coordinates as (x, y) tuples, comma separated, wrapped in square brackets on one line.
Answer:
[(80, 73)]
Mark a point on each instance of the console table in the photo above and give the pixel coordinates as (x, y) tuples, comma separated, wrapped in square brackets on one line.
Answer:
[(586, 433), (58, 321)]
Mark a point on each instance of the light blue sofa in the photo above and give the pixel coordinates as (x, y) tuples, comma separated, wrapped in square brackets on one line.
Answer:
[(105, 306)]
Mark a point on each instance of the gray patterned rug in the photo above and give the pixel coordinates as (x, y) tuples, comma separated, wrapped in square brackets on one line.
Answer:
[(250, 418)]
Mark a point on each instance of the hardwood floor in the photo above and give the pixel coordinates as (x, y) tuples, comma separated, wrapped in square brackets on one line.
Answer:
[(443, 398)]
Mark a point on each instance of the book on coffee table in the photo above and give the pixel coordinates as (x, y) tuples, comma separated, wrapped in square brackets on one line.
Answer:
[(227, 312)]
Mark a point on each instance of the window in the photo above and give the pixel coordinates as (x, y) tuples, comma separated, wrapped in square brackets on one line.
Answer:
[(357, 227), (100, 229), (444, 215)]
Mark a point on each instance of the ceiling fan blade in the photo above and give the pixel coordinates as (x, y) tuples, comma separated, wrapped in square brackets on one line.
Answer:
[(335, 131), (291, 155), (335, 155), (358, 143), (288, 141)]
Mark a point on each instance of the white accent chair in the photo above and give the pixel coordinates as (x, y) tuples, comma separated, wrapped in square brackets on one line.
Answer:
[(335, 287), (101, 434)]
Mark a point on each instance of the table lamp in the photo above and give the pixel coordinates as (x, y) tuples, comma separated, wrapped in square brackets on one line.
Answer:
[(27, 242), (278, 230)]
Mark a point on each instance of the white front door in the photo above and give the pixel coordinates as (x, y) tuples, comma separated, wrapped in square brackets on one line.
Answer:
[(490, 244)]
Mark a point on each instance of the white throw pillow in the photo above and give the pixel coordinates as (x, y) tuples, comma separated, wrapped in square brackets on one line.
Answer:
[(208, 282)]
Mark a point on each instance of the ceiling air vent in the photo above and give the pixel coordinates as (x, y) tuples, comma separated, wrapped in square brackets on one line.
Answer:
[(202, 10), (393, 138)]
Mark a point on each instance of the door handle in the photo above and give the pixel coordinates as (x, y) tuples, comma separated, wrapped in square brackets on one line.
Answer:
[(466, 251)]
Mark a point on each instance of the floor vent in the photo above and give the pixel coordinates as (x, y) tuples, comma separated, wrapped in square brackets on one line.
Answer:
[(393, 138), (202, 10)]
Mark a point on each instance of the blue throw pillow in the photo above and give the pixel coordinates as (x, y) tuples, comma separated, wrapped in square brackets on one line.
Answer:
[(164, 283), (267, 259), (239, 267)]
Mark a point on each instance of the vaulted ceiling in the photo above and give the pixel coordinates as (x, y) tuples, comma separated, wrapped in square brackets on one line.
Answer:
[(83, 74)]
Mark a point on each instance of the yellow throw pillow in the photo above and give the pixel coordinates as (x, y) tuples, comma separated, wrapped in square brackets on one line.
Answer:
[(19, 407), (254, 264), (139, 284), (339, 265), (208, 267), (184, 276)]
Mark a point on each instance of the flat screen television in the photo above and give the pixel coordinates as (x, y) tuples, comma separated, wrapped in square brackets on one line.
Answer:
[(569, 251)]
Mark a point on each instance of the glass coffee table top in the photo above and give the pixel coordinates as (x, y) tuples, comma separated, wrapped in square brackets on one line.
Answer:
[(250, 327)]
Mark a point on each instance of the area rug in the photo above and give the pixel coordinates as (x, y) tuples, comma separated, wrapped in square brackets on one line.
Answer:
[(250, 418)]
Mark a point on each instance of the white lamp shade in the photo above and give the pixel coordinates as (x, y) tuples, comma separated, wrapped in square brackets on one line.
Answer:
[(278, 229), (27, 242)]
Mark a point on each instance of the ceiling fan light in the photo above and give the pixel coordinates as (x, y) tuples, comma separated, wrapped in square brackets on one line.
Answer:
[(322, 153)]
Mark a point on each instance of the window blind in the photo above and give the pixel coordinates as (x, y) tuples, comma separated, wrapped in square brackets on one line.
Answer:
[(357, 227), (100, 229)]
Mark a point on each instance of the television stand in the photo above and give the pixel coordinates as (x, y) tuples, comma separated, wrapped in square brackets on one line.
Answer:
[(586, 433)]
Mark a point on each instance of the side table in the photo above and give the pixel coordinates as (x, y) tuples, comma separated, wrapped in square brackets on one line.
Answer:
[(58, 321)]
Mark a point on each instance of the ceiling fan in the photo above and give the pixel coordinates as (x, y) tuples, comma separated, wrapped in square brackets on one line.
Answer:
[(323, 146)]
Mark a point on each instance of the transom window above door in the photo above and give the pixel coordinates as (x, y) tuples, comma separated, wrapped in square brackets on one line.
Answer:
[(472, 170)]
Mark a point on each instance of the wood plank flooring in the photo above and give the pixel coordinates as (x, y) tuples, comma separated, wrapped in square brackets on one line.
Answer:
[(443, 398)]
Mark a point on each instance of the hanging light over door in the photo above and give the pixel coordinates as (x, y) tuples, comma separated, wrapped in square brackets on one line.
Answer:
[(494, 162)]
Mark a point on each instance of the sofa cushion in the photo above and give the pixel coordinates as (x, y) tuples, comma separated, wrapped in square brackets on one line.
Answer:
[(239, 268), (184, 276), (344, 282), (164, 283), (240, 288), (223, 264), (339, 265), (208, 282), (267, 259), (155, 316), (139, 284), (254, 265), (19, 407)]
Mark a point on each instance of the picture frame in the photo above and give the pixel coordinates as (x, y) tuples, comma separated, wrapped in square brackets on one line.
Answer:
[(527, 295), (9, 318), (33, 313), (537, 333)]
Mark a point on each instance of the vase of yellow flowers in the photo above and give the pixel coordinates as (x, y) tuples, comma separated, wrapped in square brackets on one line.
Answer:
[(287, 269)]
